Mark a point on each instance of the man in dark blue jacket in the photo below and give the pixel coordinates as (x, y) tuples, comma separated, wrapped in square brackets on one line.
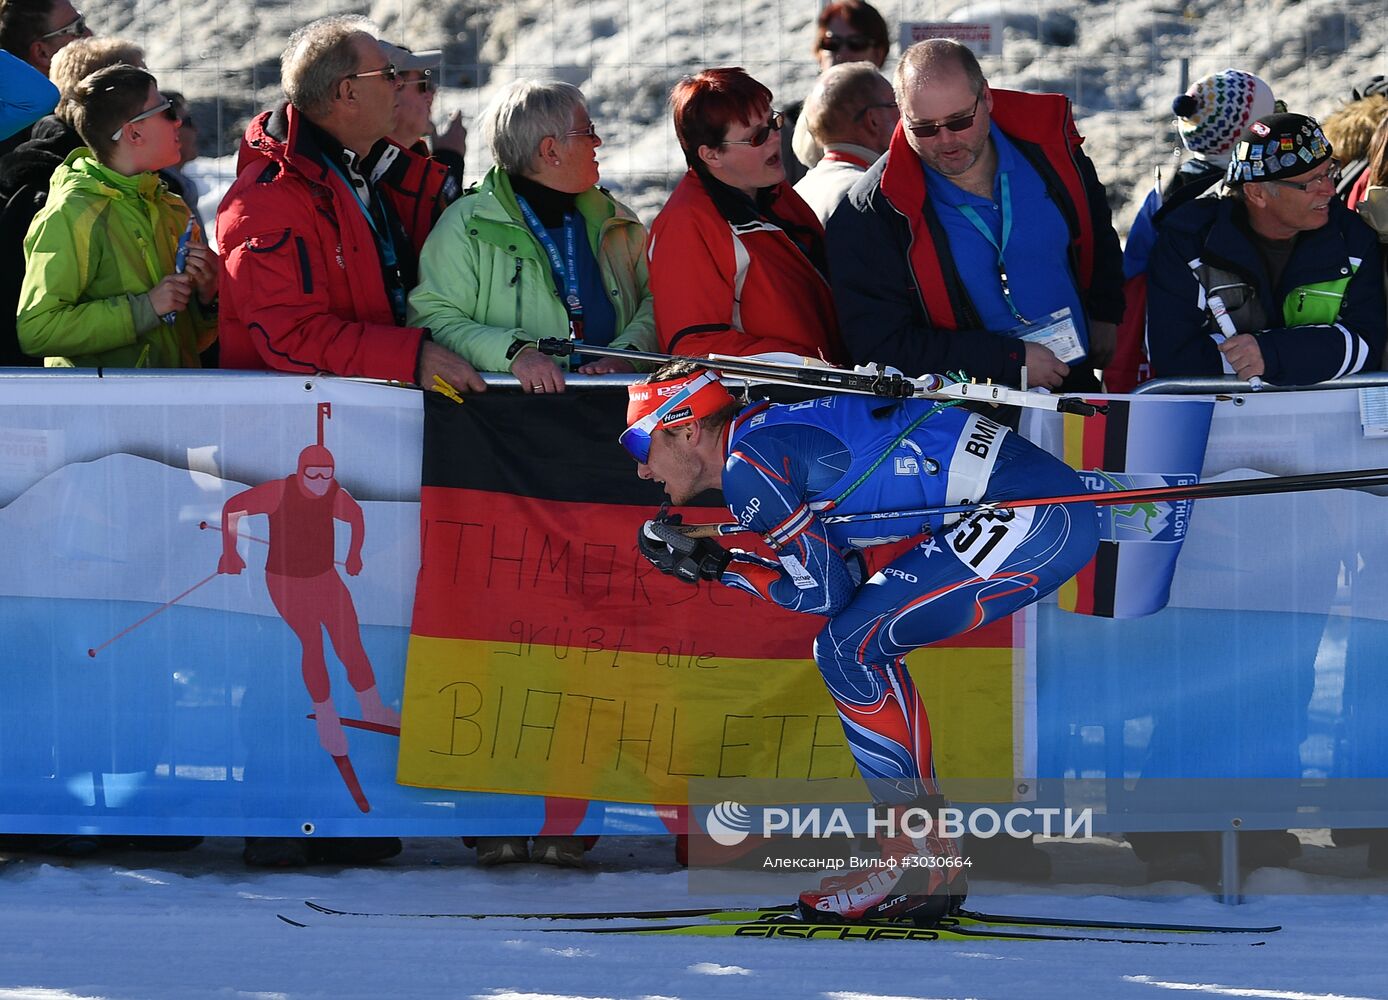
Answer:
[(985, 220), (1277, 280)]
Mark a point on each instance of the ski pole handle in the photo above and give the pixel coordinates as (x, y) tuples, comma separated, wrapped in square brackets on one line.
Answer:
[(1227, 330)]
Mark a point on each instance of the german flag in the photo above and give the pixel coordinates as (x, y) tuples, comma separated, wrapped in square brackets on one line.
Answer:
[(1138, 443), (548, 657)]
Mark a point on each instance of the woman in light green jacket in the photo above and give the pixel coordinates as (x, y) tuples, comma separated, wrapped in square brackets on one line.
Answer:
[(103, 285), (537, 249)]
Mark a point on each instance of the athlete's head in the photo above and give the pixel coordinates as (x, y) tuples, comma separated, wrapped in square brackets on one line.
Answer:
[(316, 469), (675, 421)]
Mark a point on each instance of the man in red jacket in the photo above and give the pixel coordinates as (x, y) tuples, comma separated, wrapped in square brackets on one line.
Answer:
[(982, 241), (322, 228)]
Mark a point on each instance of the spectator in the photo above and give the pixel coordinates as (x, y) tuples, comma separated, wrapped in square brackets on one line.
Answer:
[(26, 95), (1210, 117), (26, 171), (537, 249), (414, 127), (845, 32), (984, 219), (852, 114), (322, 227), (737, 258), (1351, 131), (1372, 202), (179, 182), (34, 31), (1299, 274), (100, 286)]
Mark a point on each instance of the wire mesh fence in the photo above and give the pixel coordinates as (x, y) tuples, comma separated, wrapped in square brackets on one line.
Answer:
[(1121, 62)]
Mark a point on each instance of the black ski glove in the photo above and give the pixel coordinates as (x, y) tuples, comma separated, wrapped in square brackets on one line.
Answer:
[(676, 554)]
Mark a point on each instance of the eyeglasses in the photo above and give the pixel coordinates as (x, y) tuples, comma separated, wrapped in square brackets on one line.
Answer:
[(873, 107), (925, 130), (76, 29), (388, 71), (590, 132), (759, 137), (164, 107), (830, 42), (1332, 175), (636, 439), (425, 84)]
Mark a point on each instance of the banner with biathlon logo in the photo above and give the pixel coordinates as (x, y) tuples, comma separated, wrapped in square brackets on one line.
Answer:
[(1138, 444), (548, 657), (178, 548)]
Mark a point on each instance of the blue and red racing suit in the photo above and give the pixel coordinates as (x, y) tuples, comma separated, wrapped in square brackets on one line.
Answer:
[(849, 455)]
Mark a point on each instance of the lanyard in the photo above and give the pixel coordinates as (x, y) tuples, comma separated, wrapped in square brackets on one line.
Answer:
[(840, 156), (566, 268), (384, 240), (970, 213)]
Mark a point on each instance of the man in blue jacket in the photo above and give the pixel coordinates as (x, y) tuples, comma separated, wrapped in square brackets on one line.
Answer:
[(1277, 280), (984, 223)]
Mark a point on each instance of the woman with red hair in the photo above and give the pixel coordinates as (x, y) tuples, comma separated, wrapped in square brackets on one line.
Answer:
[(737, 263)]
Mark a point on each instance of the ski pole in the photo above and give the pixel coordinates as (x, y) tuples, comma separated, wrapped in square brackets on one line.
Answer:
[(1354, 479), (159, 610)]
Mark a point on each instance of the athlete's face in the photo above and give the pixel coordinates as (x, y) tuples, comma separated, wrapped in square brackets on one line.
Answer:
[(675, 464), (316, 479)]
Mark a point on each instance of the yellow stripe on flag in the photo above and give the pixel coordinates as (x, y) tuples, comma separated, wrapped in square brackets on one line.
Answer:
[(636, 727)]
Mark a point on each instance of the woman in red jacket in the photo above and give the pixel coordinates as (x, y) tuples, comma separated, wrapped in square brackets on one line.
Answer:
[(737, 263)]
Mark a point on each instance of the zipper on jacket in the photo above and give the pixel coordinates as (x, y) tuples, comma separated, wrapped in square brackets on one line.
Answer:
[(515, 278)]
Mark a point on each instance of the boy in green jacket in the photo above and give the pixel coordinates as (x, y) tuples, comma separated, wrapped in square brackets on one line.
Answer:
[(106, 283)]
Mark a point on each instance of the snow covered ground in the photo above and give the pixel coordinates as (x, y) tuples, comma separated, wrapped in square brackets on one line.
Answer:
[(140, 926)]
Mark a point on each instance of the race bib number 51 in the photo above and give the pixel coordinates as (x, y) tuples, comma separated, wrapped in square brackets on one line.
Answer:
[(984, 540)]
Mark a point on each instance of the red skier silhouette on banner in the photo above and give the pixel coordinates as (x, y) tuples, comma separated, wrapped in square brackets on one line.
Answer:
[(301, 575)]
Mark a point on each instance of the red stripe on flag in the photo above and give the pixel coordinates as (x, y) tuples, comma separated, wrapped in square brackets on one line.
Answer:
[(539, 575)]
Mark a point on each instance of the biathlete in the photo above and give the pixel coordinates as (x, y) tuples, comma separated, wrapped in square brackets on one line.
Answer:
[(780, 466)]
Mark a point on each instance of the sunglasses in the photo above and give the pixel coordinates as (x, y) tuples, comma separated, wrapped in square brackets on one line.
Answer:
[(1332, 175), (636, 439), (425, 85), (388, 71), (924, 130), (591, 132), (164, 107), (77, 29), (830, 42), (759, 137)]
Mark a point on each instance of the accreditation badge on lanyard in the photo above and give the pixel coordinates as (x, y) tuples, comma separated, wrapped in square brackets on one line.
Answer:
[(564, 268), (1056, 332), (999, 247)]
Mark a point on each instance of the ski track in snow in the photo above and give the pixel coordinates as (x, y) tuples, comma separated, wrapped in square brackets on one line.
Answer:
[(142, 926)]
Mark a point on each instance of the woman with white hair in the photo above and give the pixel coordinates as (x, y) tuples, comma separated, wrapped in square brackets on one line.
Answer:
[(537, 249)]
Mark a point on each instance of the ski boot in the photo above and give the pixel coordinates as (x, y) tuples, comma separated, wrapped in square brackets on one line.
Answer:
[(919, 876)]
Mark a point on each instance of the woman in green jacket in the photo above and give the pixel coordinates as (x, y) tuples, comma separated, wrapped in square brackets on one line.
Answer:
[(537, 249), (105, 283)]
